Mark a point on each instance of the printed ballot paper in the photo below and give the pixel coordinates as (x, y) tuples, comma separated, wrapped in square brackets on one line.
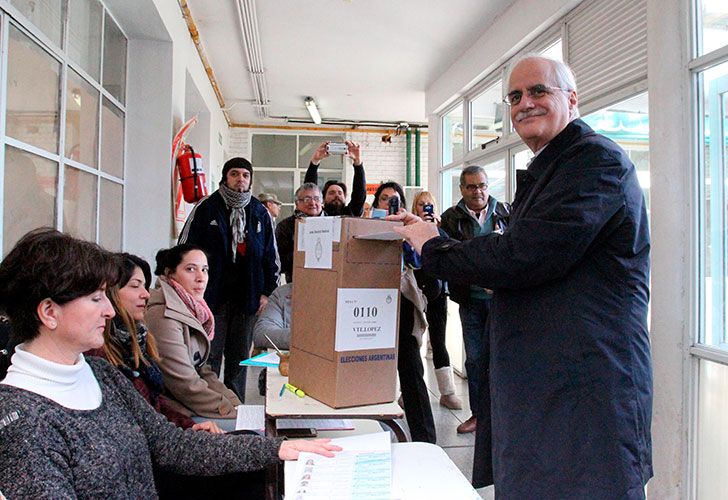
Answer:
[(361, 471)]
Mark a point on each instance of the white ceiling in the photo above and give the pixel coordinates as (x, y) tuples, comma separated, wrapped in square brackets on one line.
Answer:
[(362, 60)]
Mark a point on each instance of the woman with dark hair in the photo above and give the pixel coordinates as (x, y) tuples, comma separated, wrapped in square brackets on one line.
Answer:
[(183, 327), (131, 348), (72, 427), (412, 324)]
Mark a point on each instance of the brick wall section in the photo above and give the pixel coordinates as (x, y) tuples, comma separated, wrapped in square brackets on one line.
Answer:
[(383, 161)]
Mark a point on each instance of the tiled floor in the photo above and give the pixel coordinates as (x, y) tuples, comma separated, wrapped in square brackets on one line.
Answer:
[(459, 447)]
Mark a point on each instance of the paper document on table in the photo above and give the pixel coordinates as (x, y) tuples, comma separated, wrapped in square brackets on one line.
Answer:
[(267, 359), (250, 418), (361, 471), (320, 424)]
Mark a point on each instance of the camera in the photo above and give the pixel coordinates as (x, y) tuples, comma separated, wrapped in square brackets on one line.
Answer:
[(429, 211), (394, 205), (337, 148)]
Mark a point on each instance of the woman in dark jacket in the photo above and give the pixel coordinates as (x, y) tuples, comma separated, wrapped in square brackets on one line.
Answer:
[(411, 326)]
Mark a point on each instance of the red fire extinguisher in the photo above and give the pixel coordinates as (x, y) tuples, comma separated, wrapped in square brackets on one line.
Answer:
[(192, 175)]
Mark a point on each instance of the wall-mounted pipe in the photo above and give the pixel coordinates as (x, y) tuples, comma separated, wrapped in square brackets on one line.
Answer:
[(417, 157), (409, 158)]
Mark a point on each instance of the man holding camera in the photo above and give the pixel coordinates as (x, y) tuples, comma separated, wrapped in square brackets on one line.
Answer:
[(334, 192), (476, 214)]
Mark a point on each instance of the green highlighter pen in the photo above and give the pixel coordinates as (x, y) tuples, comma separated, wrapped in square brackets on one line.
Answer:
[(295, 390)]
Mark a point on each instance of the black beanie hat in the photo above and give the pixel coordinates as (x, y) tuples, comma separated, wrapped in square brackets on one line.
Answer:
[(237, 162)]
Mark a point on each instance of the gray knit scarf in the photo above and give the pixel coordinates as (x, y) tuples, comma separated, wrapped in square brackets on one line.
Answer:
[(236, 202)]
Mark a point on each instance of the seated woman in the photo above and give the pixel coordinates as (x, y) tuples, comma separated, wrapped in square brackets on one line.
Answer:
[(131, 348), (412, 324), (183, 327), (76, 428)]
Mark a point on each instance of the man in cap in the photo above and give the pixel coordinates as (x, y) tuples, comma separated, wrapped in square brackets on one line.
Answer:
[(236, 232), (270, 201)]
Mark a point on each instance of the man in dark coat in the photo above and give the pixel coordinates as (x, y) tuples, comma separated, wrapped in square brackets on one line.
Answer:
[(476, 214), (236, 232), (570, 368)]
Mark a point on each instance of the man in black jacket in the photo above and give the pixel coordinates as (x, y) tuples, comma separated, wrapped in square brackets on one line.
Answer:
[(570, 367), (236, 232), (334, 192), (476, 214)]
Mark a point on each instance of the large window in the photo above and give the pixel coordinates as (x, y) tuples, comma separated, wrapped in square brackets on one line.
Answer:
[(281, 162), (709, 70), (63, 117)]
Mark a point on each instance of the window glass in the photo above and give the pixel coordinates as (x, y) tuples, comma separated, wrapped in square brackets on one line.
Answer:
[(33, 93), (29, 190), (47, 15), (280, 183), (486, 112), (713, 85), (307, 144), (554, 51), (496, 179), (82, 120), (274, 151), (712, 482), (110, 215), (84, 35), (114, 80), (713, 25), (112, 139), (521, 159), (79, 204), (628, 124), (323, 178), (450, 187), (452, 136)]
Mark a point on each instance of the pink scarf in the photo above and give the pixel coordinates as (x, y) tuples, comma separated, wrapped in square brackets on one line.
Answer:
[(197, 307)]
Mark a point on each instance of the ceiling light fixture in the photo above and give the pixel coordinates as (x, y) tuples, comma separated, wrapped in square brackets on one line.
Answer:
[(312, 110)]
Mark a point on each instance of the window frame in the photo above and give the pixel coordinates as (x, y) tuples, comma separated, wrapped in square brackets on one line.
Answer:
[(11, 16)]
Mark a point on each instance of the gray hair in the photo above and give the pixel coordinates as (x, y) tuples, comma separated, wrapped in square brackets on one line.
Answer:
[(561, 72), (472, 170), (307, 186)]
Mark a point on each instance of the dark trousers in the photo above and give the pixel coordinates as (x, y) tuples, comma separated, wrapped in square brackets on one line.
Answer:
[(437, 319), (239, 485), (233, 338), (483, 449), (411, 379), (474, 319)]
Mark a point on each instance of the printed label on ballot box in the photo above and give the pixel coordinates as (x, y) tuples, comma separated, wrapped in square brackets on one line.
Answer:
[(366, 318)]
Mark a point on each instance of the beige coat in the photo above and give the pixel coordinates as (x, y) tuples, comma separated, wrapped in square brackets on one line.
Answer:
[(184, 348)]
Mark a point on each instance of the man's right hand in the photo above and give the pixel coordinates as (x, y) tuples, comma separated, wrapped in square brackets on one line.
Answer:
[(320, 153)]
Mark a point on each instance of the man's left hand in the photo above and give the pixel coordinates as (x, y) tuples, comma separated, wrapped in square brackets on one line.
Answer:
[(263, 304), (354, 152)]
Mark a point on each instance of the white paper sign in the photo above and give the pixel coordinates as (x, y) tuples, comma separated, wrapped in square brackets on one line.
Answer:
[(317, 242), (366, 318)]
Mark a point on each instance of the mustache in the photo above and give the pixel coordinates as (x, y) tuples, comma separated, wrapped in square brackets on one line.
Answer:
[(521, 115)]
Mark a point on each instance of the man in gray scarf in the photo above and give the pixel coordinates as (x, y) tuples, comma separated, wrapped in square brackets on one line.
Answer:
[(236, 232)]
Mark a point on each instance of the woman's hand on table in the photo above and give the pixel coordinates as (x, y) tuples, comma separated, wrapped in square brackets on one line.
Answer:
[(289, 450), (208, 426)]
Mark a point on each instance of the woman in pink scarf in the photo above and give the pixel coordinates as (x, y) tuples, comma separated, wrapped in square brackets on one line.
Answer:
[(183, 327)]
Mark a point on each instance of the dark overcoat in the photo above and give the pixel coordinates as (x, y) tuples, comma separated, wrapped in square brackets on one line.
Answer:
[(570, 369)]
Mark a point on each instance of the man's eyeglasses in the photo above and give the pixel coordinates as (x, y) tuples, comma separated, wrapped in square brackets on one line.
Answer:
[(480, 187), (537, 92), (309, 199)]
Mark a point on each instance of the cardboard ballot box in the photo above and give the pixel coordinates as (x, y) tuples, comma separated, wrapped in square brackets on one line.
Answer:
[(345, 310)]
